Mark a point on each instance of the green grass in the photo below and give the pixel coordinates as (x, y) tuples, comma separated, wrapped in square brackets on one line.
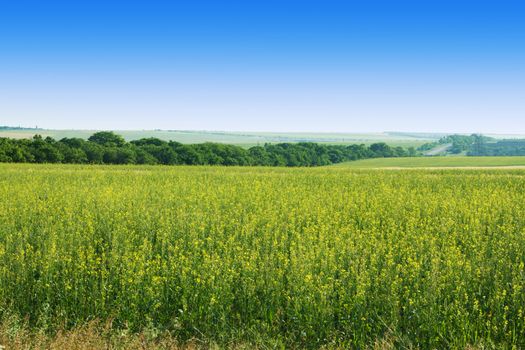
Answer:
[(435, 162)]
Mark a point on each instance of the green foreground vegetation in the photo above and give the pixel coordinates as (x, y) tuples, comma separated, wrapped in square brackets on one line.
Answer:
[(270, 257), (436, 162)]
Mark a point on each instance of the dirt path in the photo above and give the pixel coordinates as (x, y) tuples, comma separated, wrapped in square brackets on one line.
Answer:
[(438, 150)]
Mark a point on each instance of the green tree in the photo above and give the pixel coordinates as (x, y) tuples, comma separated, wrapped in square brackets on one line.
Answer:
[(107, 139)]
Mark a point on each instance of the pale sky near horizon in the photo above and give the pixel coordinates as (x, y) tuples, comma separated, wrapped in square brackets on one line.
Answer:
[(289, 65)]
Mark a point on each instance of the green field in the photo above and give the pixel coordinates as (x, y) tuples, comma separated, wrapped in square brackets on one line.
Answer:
[(436, 162), (265, 257), (245, 139)]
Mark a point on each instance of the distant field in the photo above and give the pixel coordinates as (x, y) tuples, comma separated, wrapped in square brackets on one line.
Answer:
[(245, 139), (435, 162)]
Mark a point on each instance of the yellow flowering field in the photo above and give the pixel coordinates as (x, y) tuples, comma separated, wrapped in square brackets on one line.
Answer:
[(302, 257)]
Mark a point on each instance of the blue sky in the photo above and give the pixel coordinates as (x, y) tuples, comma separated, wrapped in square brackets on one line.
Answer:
[(326, 65)]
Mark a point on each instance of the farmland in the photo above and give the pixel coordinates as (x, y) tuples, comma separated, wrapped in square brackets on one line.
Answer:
[(269, 257), (240, 138), (436, 162)]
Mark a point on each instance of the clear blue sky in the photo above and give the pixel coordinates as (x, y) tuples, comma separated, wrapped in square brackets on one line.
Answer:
[(353, 66)]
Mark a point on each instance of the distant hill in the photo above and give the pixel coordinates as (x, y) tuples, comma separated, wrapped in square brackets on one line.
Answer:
[(245, 139), (418, 135), (5, 127)]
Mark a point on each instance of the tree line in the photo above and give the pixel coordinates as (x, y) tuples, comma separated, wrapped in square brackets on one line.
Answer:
[(106, 147), (479, 145), (459, 143), (500, 148)]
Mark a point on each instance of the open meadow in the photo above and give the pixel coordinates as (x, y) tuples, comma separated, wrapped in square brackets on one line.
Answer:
[(436, 162), (267, 257)]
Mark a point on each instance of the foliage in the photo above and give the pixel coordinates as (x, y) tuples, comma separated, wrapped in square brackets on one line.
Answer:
[(296, 257), (106, 147), (472, 144), (428, 146), (107, 138), (499, 148)]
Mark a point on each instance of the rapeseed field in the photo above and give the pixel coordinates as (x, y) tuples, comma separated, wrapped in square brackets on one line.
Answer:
[(273, 257)]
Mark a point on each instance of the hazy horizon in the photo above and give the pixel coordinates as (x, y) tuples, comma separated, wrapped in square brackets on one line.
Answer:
[(272, 66), (415, 133)]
